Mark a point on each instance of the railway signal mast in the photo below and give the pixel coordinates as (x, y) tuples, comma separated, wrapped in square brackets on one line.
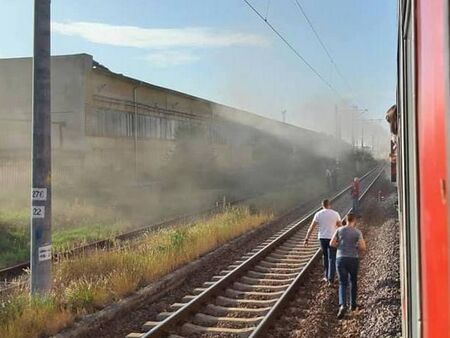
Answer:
[(41, 249)]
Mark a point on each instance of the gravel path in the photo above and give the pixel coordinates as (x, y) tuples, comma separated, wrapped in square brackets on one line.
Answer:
[(313, 312)]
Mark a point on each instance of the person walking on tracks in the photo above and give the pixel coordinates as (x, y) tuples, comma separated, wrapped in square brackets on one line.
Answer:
[(329, 177), (349, 241), (354, 191), (328, 221)]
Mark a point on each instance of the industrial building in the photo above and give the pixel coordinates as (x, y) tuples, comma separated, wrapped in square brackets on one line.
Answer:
[(99, 116)]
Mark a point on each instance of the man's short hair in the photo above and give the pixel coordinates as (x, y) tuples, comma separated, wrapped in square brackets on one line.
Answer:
[(326, 203), (351, 217)]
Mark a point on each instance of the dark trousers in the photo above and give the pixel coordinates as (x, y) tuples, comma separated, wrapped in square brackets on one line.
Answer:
[(355, 208), (329, 259), (347, 267)]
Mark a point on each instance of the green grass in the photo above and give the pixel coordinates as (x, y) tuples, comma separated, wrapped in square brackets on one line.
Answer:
[(86, 283), (14, 237), (14, 247), (69, 238), (73, 225), (78, 223)]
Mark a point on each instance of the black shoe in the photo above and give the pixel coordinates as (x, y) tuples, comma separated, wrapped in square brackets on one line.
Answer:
[(342, 311), (356, 307)]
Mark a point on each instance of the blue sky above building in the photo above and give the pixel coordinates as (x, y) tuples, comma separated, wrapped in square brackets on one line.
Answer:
[(220, 50)]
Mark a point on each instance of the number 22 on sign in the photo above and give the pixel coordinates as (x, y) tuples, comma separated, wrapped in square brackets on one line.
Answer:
[(38, 211)]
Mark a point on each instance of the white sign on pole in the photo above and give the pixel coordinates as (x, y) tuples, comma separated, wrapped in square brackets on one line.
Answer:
[(38, 211), (39, 194), (45, 253)]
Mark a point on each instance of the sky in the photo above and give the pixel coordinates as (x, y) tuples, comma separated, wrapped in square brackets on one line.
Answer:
[(222, 51)]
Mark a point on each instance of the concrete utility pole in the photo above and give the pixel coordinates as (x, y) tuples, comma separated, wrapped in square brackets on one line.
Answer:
[(283, 115), (41, 206)]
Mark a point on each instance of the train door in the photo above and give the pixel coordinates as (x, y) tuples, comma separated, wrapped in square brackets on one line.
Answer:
[(408, 172), (431, 77)]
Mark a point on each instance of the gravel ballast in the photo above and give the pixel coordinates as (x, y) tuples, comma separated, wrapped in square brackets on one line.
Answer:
[(131, 317), (313, 313)]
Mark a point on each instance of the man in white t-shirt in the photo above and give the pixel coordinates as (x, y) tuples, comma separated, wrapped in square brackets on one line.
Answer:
[(328, 221)]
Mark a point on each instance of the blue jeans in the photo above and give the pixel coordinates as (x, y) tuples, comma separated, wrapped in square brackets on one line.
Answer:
[(355, 205), (329, 259), (347, 267)]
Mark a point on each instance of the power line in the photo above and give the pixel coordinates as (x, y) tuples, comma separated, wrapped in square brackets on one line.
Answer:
[(296, 52), (300, 7)]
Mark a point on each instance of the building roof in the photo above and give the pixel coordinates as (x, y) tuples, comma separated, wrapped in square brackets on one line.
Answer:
[(218, 109), (221, 109)]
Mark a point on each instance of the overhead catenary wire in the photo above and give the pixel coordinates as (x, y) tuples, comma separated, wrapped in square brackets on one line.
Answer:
[(293, 49), (338, 71)]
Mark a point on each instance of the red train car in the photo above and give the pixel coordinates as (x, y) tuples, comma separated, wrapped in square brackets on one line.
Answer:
[(423, 172)]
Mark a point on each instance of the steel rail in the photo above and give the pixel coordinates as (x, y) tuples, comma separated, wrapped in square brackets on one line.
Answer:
[(272, 315), (8, 274), (18, 269), (167, 324)]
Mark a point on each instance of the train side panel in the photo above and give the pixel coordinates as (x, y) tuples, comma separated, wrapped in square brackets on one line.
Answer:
[(431, 107)]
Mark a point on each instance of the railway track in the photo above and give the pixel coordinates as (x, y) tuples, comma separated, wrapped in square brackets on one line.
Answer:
[(244, 300), (14, 271), (11, 277)]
